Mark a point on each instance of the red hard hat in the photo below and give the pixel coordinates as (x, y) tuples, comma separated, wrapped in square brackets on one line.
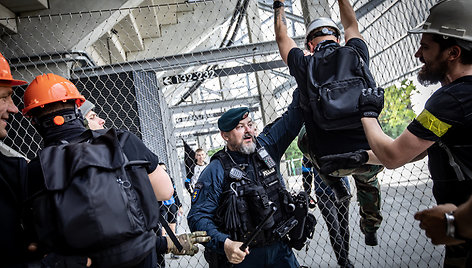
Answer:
[(5, 73), (49, 88)]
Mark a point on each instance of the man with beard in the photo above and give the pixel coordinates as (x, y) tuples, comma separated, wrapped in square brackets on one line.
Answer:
[(244, 162), (443, 129)]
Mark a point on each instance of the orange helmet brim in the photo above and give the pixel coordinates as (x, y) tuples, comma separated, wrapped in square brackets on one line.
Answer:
[(14, 82)]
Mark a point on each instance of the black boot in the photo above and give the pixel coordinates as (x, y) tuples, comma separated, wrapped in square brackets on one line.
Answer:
[(371, 239)]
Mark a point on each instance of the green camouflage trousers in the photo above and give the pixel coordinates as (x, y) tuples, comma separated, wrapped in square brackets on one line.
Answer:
[(368, 187)]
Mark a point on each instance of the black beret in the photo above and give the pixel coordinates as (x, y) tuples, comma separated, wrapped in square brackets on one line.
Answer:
[(230, 119)]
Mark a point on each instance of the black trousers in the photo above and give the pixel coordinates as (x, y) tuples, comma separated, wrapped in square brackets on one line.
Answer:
[(336, 216)]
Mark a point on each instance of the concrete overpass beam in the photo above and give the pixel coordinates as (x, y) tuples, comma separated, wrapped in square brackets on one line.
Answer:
[(9, 24), (103, 26), (18, 6), (116, 50), (315, 9), (129, 34), (167, 14), (146, 18)]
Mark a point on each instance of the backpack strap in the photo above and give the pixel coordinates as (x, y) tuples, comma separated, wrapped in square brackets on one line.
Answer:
[(369, 79), (462, 171), (170, 233), (122, 138)]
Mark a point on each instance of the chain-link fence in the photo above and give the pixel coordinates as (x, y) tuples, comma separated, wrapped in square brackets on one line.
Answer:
[(167, 69)]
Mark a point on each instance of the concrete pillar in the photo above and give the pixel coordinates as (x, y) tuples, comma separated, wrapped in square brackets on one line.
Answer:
[(225, 84), (264, 84), (315, 9), (202, 143)]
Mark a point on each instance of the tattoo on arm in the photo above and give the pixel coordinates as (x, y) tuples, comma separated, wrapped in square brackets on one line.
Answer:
[(278, 12), (276, 15)]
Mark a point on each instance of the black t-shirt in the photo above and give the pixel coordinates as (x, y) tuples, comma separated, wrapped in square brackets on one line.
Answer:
[(337, 141), (447, 117)]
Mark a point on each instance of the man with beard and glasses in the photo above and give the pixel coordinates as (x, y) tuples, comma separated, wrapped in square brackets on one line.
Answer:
[(243, 168), (443, 129)]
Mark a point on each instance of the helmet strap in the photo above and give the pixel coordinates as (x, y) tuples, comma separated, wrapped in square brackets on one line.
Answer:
[(323, 32), (57, 118)]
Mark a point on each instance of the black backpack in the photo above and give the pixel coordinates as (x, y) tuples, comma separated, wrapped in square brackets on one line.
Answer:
[(336, 77), (97, 196)]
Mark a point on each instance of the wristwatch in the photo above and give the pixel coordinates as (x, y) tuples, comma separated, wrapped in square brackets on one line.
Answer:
[(450, 227), (278, 4)]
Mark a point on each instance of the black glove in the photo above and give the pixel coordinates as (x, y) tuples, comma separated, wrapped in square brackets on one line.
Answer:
[(331, 163), (371, 102)]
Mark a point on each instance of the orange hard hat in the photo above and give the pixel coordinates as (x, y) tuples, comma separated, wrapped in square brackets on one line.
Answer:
[(49, 88), (5, 73)]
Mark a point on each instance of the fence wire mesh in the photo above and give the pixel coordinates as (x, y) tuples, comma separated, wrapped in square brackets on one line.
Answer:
[(167, 69)]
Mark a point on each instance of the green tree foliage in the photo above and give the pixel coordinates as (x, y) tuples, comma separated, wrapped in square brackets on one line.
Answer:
[(397, 112), (294, 153)]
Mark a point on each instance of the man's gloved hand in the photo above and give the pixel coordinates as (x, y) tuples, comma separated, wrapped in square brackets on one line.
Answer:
[(188, 242), (371, 102), (330, 163)]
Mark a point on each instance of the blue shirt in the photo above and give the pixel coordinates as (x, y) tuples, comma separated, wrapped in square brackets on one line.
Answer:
[(275, 138)]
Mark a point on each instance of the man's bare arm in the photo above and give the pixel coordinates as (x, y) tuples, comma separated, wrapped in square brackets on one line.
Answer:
[(348, 20), (161, 184), (373, 160), (394, 153), (284, 41)]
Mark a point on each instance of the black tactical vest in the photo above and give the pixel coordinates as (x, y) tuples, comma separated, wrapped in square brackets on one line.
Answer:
[(245, 200)]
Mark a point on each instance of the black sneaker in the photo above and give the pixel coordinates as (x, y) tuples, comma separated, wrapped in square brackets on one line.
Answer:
[(341, 193), (371, 239)]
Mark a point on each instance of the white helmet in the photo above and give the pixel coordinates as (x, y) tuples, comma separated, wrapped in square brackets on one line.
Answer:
[(318, 23), (451, 18)]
